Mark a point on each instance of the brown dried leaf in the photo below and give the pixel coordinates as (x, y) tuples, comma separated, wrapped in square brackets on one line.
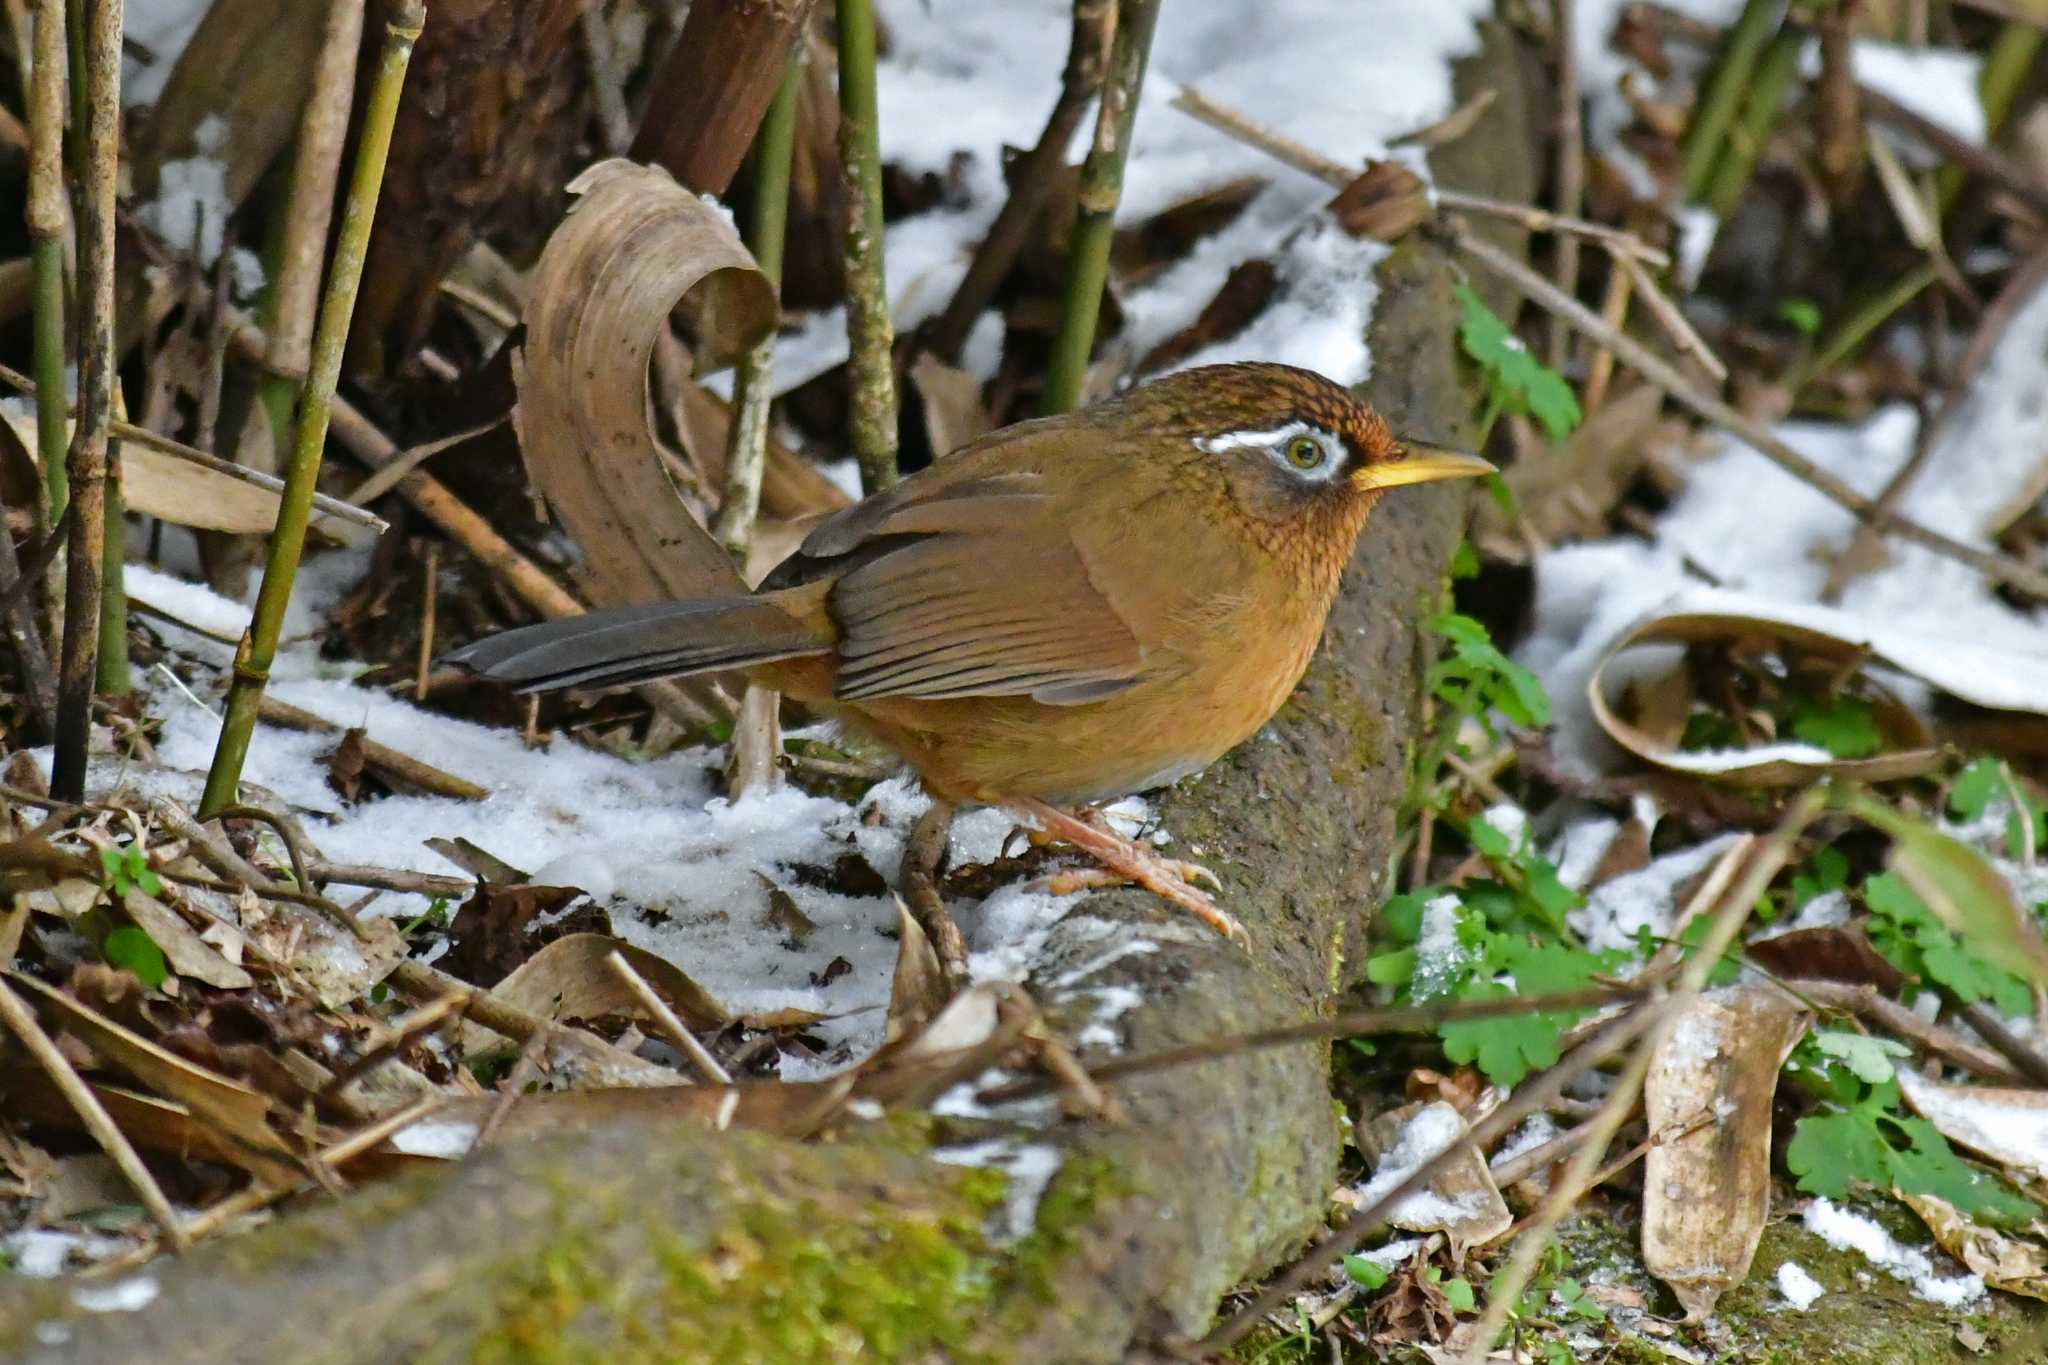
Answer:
[(239, 1113), (1706, 1194), (490, 939), (1462, 1200), (634, 245), (187, 953), (1833, 953), (1385, 203), (1909, 750), (568, 979), (1570, 493), (345, 764), (951, 397), (918, 990), (2003, 1260)]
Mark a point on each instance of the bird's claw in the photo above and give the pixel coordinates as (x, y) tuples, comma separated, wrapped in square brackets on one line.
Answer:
[(1169, 879)]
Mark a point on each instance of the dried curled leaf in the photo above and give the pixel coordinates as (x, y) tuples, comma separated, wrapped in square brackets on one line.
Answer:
[(634, 246), (1664, 700), (1707, 1186)]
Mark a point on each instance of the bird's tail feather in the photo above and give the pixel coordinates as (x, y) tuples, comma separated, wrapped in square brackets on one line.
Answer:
[(624, 645)]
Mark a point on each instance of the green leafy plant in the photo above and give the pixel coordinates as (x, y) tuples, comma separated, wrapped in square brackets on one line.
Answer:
[(127, 869), (1516, 381), (1801, 315), (128, 948), (1845, 726), (1468, 943), (1863, 1136), (1367, 1274), (1475, 678), (1912, 938), (1987, 781)]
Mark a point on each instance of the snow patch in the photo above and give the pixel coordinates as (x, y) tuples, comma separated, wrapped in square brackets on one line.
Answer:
[(1847, 1231)]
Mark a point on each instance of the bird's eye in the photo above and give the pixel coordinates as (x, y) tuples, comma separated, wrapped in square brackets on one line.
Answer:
[(1305, 452)]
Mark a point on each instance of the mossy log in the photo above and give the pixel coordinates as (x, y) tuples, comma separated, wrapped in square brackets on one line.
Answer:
[(645, 1242)]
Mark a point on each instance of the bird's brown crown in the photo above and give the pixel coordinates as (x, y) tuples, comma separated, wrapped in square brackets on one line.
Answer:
[(1215, 402)]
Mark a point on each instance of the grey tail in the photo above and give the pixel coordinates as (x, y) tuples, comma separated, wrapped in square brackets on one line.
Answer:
[(638, 644)]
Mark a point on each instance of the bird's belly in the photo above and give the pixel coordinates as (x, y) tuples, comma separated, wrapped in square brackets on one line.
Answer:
[(983, 749)]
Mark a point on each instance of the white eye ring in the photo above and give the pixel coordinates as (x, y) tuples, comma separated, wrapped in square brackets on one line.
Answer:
[(1301, 448)]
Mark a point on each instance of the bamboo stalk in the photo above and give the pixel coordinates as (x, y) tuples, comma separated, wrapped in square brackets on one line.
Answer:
[(1775, 72), (87, 457), (1102, 184), (259, 644), (47, 221), (757, 733), (2006, 67), (1031, 181), (1700, 148), (870, 369), (307, 212), (747, 439), (110, 668)]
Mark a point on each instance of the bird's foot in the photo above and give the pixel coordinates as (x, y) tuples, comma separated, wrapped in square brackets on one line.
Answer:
[(1126, 863)]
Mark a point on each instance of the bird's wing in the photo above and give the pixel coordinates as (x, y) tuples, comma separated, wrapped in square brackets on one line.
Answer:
[(966, 582)]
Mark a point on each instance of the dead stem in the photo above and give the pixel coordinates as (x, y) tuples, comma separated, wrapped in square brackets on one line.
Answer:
[(143, 436), (21, 1020), (2002, 568), (1535, 1093), (665, 1019)]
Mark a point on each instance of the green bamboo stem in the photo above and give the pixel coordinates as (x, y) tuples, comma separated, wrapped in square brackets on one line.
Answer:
[(747, 446), (757, 732), (100, 139), (1102, 186), (258, 649), (1765, 99), (1718, 102), (2006, 67), (47, 221), (871, 338), (298, 232), (1858, 326)]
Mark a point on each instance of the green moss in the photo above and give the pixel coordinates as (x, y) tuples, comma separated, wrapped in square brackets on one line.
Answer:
[(1030, 1267), (790, 1279)]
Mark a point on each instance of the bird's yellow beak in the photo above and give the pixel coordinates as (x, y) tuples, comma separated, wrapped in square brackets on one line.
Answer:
[(1420, 463)]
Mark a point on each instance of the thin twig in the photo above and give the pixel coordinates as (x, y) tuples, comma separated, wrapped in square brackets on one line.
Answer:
[(1411, 1019), (1101, 188), (614, 120), (1337, 175), (143, 436), (399, 1033), (2001, 568), (665, 1019), (21, 1020), (1538, 1092), (1734, 908), (325, 873), (1569, 171), (287, 540)]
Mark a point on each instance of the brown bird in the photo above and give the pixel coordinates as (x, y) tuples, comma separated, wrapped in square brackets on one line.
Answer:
[(1065, 611)]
